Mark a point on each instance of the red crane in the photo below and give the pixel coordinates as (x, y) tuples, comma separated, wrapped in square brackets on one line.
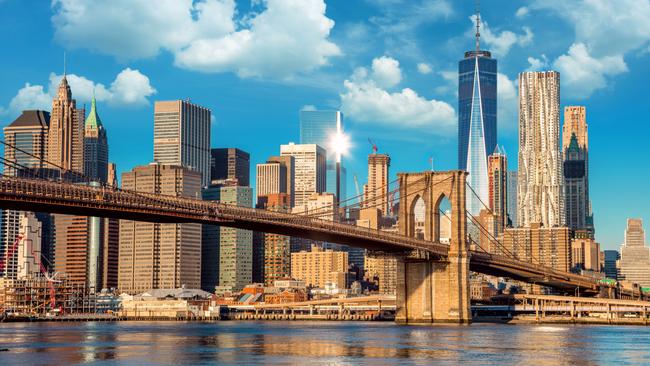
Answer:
[(374, 146)]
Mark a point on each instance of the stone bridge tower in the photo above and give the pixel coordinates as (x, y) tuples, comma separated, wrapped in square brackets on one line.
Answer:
[(429, 289)]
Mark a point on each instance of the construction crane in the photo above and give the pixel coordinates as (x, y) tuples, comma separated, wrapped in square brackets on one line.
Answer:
[(374, 146), (356, 186)]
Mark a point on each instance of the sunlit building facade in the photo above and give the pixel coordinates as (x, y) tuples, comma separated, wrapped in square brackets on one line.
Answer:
[(540, 182)]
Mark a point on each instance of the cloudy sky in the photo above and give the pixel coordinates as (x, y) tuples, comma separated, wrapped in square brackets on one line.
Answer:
[(389, 65)]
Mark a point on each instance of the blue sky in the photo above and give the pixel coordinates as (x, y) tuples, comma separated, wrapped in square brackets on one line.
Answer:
[(390, 65)]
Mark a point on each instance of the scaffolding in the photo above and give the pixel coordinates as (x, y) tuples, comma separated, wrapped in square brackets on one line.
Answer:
[(39, 296)]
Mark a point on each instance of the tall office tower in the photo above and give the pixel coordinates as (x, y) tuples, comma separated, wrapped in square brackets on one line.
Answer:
[(230, 164), (274, 177), (540, 185), (635, 255), (320, 267), (610, 268), (235, 245), (575, 145), (325, 128), (277, 248), (181, 134), (155, 255), (71, 253), (95, 146), (28, 133), (309, 170), (477, 119), (575, 123), (498, 184), (210, 243), (511, 199), (110, 253), (376, 191), (65, 145)]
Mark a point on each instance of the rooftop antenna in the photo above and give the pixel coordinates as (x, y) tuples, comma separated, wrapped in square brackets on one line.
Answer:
[(64, 71), (478, 26)]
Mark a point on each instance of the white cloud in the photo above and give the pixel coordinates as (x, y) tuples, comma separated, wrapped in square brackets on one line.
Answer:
[(386, 72), (501, 42), (606, 27), (537, 64), (522, 12), (284, 38), (308, 107), (582, 74), (424, 68), (507, 105), (364, 100), (130, 87)]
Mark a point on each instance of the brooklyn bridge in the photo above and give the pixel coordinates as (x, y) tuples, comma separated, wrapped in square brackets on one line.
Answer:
[(433, 278)]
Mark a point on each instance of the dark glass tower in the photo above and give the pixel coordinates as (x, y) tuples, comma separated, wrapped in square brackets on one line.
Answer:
[(477, 118)]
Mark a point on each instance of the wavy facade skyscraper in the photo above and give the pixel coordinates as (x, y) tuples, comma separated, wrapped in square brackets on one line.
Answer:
[(540, 183), (477, 119)]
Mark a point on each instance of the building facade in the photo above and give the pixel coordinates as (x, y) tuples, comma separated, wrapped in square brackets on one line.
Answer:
[(235, 245), (65, 145), (585, 255), (230, 164), (477, 120), (498, 188), (319, 267), (181, 136), (28, 133), (610, 265), (575, 145), (156, 255), (513, 179), (95, 147), (309, 170), (322, 128), (635, 255), (376, 191), (277, 248), (550, 247), (540, 183)]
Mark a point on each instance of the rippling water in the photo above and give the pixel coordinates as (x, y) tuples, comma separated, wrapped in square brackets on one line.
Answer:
[(176, 343)]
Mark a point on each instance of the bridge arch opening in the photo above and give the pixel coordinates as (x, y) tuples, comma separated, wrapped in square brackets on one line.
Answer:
[(419, 211), (441, 213)]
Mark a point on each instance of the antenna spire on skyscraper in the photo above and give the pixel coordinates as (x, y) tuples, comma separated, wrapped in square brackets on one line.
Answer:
[(64, 65), (478, 26)]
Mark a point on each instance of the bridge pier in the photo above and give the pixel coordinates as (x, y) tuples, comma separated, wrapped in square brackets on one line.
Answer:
[(432, 290)]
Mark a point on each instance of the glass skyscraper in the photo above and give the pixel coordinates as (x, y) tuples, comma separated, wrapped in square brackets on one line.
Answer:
[(319, 127), (477, 121)]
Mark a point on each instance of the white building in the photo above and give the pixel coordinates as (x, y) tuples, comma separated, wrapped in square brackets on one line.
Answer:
[(309, 170), (540, 181)]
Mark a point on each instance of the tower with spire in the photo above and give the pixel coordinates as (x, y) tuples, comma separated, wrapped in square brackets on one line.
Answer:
[(477, 118), (66, 133), (95, 146)]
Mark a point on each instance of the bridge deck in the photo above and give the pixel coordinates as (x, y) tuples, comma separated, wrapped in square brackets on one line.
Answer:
[(66, 198)]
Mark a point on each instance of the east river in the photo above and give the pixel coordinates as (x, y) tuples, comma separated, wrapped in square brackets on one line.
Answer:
[(353, 343)]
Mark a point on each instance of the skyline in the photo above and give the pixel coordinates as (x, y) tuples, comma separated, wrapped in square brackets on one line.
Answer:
[(272, 106)]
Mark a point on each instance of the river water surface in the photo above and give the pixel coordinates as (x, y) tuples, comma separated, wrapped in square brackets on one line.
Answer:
[(179, 343)]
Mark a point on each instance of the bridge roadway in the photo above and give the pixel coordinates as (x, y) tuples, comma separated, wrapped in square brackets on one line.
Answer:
[(66, 198)]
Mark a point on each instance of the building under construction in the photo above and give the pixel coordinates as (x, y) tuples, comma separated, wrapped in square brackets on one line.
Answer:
[(39, 296)]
